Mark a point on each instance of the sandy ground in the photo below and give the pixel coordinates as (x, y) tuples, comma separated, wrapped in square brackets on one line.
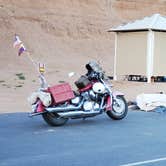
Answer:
[(65, 35), (14, 92)]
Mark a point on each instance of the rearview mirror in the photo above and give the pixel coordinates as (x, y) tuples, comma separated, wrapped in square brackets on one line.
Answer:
[(71, 74)]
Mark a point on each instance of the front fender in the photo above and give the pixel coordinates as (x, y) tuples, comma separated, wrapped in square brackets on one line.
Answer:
[(109, 103), (117, 93), (109, 99)]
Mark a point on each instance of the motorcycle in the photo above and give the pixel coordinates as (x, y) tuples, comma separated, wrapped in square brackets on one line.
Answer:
[(94, 96)]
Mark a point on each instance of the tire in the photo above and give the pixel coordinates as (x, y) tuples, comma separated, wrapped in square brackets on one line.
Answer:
[(53, 119), (119, 108)]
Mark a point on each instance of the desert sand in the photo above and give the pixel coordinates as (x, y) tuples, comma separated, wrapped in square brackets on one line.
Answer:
[(65, 35)]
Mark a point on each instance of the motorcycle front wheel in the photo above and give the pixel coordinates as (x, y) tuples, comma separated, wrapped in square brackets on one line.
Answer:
[(119, 108), (53, 119)]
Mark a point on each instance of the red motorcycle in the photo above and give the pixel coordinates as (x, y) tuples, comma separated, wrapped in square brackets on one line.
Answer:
[(59, 103)]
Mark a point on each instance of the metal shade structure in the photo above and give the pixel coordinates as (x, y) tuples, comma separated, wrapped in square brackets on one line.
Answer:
[(140, 47)]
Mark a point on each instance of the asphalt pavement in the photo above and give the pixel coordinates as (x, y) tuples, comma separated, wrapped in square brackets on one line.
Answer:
[(139, 139)]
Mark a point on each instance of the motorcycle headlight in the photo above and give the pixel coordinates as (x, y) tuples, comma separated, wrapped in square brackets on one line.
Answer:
[(99, 88)]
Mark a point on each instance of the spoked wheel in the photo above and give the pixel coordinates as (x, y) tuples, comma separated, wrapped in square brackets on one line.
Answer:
[(53, 119), (119, 108)]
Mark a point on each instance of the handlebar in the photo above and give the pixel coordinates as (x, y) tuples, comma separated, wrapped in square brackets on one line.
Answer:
[(100, 76), (95, 75)]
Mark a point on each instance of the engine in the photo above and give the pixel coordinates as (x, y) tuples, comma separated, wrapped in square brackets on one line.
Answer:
[(92, 98), (90, 103)]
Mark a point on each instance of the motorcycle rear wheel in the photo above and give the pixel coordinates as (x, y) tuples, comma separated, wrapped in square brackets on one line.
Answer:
[(119, 108), (53, 119)]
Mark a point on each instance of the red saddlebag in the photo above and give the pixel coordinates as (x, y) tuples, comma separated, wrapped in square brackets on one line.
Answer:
[(61, 93)]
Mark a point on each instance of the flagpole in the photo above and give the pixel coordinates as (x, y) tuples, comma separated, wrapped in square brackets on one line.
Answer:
[(31, 59), (42, 79), (21, 48)]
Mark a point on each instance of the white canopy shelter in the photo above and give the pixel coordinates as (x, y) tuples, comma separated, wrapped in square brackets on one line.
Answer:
[(140, 47)]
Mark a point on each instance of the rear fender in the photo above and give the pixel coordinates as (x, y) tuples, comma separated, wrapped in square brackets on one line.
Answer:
[(37, 109), (40, 107)]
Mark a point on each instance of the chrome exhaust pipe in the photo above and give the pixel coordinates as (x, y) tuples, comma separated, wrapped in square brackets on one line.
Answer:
[(64, 108), (78, 113)]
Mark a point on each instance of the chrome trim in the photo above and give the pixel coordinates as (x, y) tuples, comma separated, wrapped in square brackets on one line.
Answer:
[(64, 108), (78, 113)]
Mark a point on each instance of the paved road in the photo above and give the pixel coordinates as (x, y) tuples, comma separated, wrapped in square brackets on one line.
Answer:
[(98, 141)]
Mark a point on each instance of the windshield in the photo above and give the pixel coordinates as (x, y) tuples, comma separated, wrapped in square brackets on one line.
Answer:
[(92, 65)]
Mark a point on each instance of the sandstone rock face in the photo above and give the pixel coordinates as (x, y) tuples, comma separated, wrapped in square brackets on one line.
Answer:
[(65, 34)]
